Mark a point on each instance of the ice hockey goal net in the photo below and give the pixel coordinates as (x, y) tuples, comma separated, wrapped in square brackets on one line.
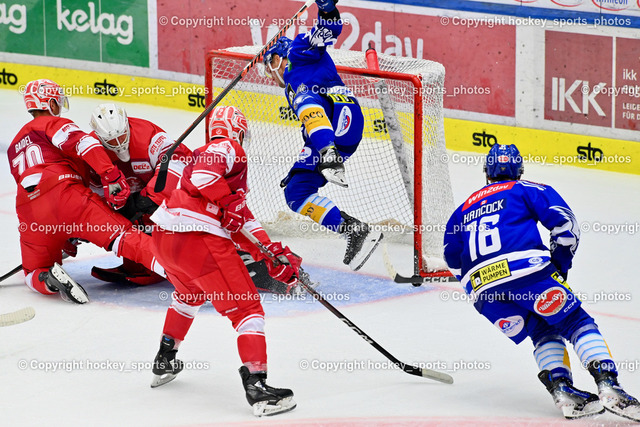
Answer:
[(398, 179)]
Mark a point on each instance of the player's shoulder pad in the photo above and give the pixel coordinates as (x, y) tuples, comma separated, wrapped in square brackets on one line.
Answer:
[(531, 184)]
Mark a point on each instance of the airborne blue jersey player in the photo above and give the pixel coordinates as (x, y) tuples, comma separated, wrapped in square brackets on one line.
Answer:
[(493, 246), (332, 126)]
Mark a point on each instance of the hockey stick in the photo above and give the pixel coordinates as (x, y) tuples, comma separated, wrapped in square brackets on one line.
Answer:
[(164, 163), (416, 280), (305, 281), (11, 273), (17, 317), (397, 141)]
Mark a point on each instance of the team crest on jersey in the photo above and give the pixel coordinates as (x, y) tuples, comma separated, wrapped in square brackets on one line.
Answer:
[(141, 167), (344, 122), (551, 301), (510, 326)]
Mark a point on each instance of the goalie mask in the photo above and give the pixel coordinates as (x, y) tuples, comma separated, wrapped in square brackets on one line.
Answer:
[(38, 95), (271, 66), (503, 163), (110, 123), (228, 122)]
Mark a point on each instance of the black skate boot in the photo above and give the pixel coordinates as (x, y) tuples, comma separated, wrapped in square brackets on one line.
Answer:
[(58, 280), (264, 399), (361, 241), (165, 366), (332, 167), (612, 395), (573, 403)]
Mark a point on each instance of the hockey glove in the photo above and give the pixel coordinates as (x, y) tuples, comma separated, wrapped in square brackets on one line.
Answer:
[(234, 212), (70, 248), (326, 5), (288, 267), (138, 205), (116, 189)]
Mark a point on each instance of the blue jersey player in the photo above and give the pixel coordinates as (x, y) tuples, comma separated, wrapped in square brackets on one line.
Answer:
[(493, 246), (332, 125)]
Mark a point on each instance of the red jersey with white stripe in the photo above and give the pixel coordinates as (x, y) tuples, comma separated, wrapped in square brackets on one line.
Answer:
[(51, 149), (147, 144), (218, 169)]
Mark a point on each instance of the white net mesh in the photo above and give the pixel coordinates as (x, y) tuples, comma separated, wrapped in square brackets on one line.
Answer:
[(380, 174)]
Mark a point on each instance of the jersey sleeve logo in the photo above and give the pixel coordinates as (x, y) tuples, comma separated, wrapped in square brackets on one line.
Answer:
[(344, 122)]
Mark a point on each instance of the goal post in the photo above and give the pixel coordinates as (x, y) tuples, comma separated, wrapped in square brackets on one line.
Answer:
[(398, 178)]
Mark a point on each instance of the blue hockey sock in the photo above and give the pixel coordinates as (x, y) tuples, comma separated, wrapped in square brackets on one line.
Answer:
[(551, 355), (590, 345)]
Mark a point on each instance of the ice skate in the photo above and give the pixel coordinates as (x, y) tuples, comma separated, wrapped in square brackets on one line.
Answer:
[(332, 167), (573, 403), (264, 399), (165, 366), (58, 280), (361, 241), (612, 395)]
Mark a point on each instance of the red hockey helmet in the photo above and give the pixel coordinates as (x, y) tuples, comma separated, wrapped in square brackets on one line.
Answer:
[(38, 95), (228, 122)]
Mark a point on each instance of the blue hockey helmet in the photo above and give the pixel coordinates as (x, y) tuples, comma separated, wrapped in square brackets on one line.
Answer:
[(280, 48), (503, 162)]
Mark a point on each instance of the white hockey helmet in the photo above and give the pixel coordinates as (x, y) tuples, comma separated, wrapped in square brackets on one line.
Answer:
[(110, 123)]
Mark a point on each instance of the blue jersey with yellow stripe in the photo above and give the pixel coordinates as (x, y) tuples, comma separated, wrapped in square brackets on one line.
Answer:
[(492, 238)]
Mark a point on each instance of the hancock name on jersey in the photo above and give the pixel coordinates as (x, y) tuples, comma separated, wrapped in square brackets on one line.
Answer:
[(484, 209)]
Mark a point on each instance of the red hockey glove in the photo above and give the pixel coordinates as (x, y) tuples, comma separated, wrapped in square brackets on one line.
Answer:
[(116, 189), (234, 212), (289, 263)]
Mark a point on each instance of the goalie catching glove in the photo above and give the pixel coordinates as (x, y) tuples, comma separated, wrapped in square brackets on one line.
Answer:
[(287, 267), (234, 212), (116, 189)]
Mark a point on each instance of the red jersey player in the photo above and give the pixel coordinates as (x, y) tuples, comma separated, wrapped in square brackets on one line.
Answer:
[(198, 226), (50, 159), (136, 147)]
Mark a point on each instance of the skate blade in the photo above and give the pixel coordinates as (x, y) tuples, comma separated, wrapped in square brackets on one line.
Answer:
[(373, 239), (630, 412), (265, 409), (78, 294), (590, 410), (159, 380), (335, 177)]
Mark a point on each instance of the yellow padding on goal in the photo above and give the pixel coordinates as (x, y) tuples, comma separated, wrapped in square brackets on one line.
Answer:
[(313, 118), (313, 211)]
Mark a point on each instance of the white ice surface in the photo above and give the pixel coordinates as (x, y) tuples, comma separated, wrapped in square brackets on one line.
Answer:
[(123, 325)]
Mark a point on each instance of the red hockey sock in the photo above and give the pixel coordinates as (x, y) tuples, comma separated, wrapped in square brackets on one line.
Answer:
[(178, 320), (252, 345), (33, 281)]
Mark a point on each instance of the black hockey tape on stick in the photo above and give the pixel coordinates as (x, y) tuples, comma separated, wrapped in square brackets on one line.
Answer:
[(164, 162), (11, 273), (305, 281)]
